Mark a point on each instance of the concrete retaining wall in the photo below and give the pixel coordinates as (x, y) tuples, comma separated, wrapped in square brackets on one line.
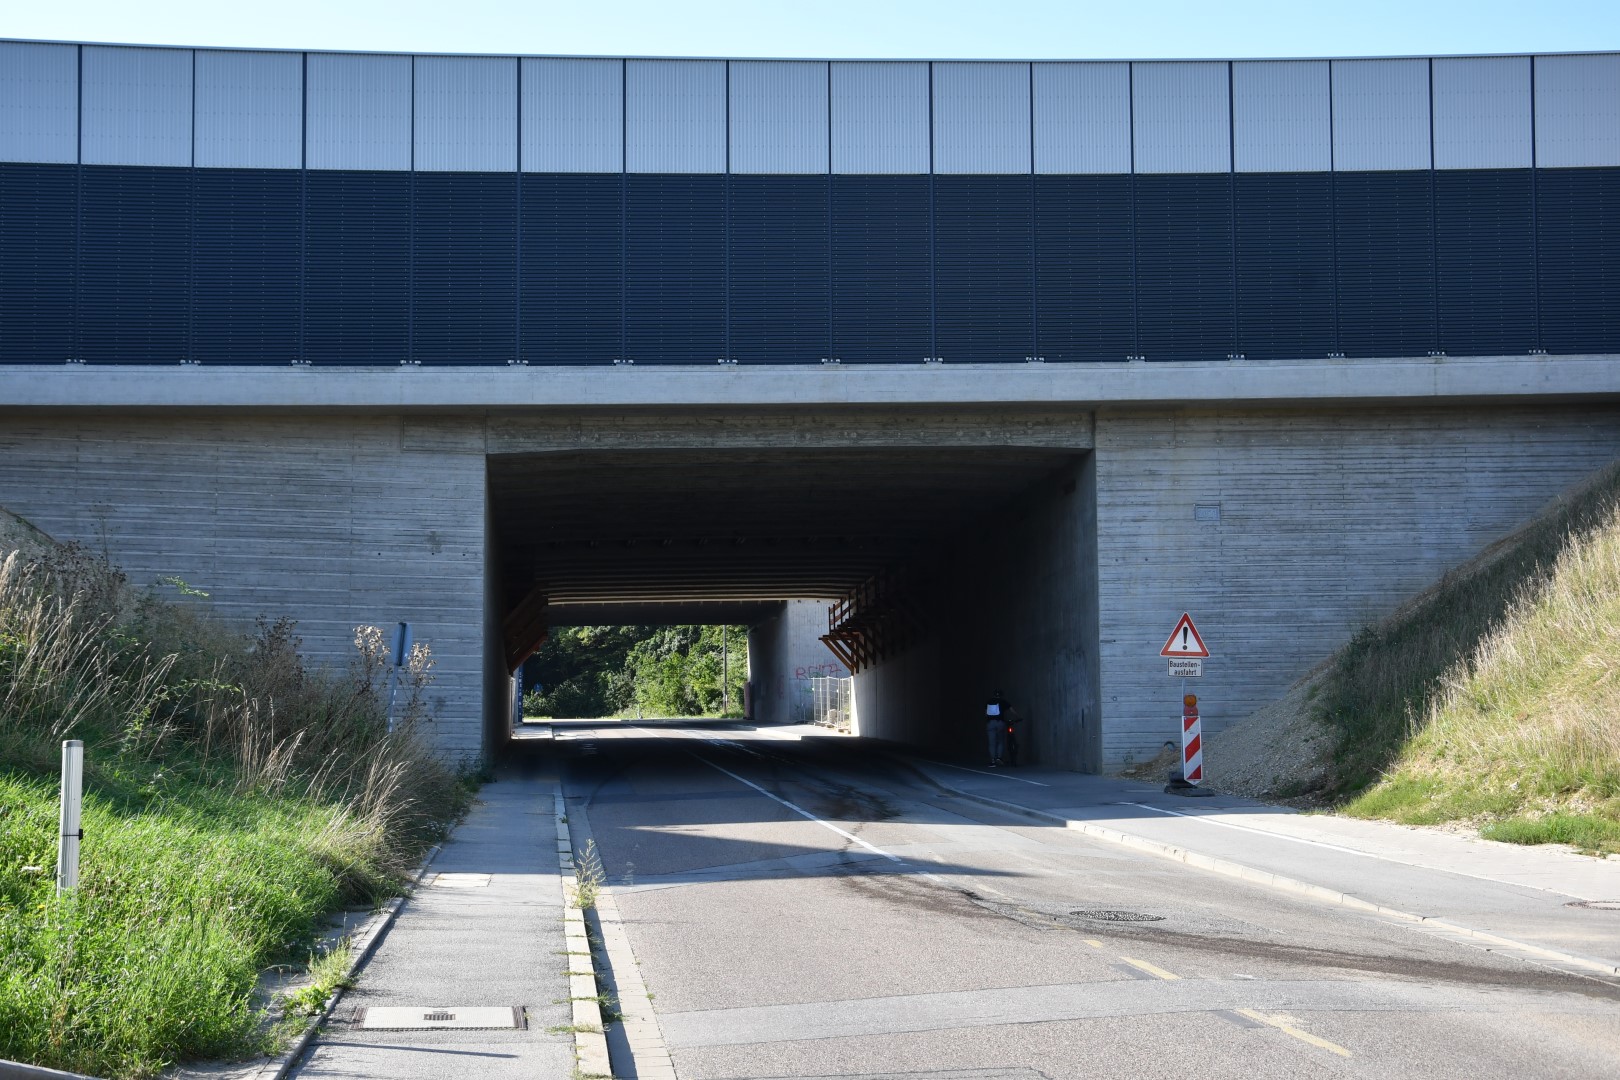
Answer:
[(784, 653), (324, 518), (1328, 520)]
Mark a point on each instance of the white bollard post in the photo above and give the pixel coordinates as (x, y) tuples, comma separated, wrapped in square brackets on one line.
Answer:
[(72, 831)]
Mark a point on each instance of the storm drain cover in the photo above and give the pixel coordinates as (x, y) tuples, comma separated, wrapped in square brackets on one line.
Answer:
[(461, 881), (1110, 915), (418, 1018), (1597, 905)]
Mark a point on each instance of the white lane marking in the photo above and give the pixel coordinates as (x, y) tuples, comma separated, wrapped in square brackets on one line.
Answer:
[(802, 812), (978, 885), (1347, 850), (982, 772)]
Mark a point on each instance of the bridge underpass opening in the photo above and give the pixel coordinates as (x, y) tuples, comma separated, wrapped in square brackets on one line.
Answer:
[(962, 569)]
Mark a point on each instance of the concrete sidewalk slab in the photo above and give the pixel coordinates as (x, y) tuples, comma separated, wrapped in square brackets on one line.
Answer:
[(1529, 895), (495, 945)]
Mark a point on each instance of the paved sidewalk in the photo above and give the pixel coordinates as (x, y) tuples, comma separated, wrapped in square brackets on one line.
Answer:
[(462, 942), (1516, 892)]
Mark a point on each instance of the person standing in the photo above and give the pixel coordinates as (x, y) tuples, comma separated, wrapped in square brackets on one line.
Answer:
[(999, 716)]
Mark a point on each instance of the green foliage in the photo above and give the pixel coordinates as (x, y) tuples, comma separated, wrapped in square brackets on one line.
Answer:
[(1589, 832), (580, 671), (676, 671), (589, 671), (232, 798)]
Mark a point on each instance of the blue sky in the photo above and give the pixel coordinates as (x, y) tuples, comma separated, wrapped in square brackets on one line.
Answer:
[(847, 28)]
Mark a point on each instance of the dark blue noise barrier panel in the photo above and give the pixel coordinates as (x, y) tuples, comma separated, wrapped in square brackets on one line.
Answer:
[(464, 268), (39, 221), (675, 269), (1578, 215), (780, 297), (1384, 240), (357, 268), (571, 269), (882, 281), (1085, 295), (1284, 264), (1486, 259), (984, 268), (135, 279), (122, 264), (1184, 266), (246, 290)]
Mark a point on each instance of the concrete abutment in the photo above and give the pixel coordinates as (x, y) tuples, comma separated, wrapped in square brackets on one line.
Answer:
[(1058, 545)]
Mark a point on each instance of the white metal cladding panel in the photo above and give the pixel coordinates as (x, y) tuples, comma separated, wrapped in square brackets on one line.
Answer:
[(778, 117), (981, 118), (466, 113), (39, 102), (250, 110), (1577, 110), (1380, 115), (675, 116), (1182, 117), (137, 106), (1482, 113), (880, 118), (1082, 118), (359, 112), (573, 115), (1282, 116)]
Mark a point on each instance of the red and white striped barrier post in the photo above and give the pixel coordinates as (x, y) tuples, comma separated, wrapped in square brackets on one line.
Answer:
[(1192, 743)]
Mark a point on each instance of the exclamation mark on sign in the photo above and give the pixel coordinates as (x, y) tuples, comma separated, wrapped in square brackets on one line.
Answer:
[(1184, 637)]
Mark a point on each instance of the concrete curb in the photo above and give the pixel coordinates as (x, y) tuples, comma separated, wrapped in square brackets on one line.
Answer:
[(590, 1040), (361, 947), (17, 1070), (1230, 868)]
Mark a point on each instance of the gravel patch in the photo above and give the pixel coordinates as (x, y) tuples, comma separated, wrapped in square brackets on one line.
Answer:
[(1278, 751)]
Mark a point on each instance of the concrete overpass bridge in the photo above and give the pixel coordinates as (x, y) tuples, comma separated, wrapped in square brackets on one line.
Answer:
[(1017, 361)]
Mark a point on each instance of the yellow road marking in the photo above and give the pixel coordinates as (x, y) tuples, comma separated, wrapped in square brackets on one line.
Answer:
[(1156, 972), (1290, 1029), (1094, 943)]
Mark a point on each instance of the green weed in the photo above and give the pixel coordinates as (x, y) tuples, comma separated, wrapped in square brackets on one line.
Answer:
[(232, 798), (1589, 832), (588, 877)]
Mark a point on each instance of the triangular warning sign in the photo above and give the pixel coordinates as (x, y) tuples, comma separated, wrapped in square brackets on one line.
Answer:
[(1184, 640)]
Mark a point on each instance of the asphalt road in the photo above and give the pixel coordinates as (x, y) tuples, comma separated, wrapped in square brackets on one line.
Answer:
[(881, 927)]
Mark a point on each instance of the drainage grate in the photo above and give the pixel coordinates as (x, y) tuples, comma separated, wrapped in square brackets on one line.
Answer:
[(1596, 905), (417, 1018), (1110, 915)]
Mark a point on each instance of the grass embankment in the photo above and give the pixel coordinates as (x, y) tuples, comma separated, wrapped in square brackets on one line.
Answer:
[(1495, 696), (232, 799)]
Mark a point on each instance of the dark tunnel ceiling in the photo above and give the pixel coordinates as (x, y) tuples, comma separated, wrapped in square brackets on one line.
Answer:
[(618, 527)]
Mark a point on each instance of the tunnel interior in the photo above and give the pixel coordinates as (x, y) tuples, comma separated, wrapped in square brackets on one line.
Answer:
[(952, 571)]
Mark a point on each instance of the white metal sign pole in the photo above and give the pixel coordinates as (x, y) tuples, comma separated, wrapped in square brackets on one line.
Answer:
[(72, 831), (1187, 652)]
